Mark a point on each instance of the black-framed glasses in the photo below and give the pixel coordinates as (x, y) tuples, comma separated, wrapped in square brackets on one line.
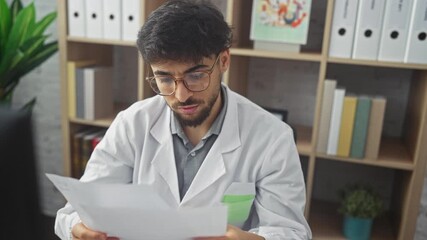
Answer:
[(195, 81)]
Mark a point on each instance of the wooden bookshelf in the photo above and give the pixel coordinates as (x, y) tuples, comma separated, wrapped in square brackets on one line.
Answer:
[(405, 155), (101, 41)]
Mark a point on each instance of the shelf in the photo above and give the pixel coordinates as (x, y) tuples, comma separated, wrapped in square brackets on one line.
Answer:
[(378, 63), (101, 41), (303, 139), (393, 154), (311, 57), (326, 223), (105, 122), (102, 122)]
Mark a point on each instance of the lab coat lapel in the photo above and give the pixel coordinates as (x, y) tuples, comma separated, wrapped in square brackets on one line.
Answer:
[(213, 166), (164, 159)]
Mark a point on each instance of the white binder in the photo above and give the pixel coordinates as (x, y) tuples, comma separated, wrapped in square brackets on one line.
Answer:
[(76, 18), (112, 19), (130, 19), (94, 19), (334, 128), (395, 30), (368, 29), (416, 48), (343, 25)]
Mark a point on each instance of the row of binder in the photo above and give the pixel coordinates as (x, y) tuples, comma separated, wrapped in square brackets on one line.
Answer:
[(392, 30), (104, 19)]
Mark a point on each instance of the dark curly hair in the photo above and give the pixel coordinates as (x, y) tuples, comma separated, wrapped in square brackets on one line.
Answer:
[(181, 30)]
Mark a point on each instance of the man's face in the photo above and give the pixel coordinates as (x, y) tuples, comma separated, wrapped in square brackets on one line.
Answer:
[(193, 108)]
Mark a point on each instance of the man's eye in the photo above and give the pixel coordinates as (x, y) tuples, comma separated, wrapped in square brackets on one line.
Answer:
[(164, 79), (196, 75)]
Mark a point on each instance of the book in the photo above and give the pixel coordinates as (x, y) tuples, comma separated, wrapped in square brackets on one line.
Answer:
[(361, 123), (80, 93), (334, 129), (346, 128), (376, 120), (77, 140), (98, 92), (87, 147), (280, 21), (325, 114), (71, 84)]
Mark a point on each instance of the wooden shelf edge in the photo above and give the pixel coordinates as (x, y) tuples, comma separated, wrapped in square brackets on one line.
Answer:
[(311, 57), (378, 63), (393, 154), (106, 122), (101, 41), (378, 163)]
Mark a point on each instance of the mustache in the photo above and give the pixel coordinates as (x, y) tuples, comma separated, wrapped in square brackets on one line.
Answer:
[(189, 101)]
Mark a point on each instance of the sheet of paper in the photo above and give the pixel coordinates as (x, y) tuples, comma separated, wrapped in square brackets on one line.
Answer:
[(133, 212)]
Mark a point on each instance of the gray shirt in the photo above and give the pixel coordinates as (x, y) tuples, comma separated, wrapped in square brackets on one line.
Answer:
[(189, 158)]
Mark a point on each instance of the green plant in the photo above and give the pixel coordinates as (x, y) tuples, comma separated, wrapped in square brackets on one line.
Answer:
[(22, 45), (360, 201)]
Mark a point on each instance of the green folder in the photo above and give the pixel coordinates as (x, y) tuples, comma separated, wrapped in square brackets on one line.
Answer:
[(361, 124), (239, 207)]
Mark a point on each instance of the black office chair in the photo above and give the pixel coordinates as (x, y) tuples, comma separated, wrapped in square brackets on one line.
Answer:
[(21, 216)]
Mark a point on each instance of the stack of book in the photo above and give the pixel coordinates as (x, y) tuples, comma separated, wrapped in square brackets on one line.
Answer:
[(350, 126), (394, 30), (83, 144), (90, 90)]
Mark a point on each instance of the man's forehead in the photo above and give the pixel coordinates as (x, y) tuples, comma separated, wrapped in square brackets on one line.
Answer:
[(167, 63)]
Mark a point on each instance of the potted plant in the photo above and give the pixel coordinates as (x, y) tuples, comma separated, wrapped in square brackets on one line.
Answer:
[(23, 45), (360, 205)]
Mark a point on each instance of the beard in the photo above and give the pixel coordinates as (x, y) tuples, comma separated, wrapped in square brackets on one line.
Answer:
[(199, 118)]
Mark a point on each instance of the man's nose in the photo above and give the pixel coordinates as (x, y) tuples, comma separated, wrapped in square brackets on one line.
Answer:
[(181, 92)]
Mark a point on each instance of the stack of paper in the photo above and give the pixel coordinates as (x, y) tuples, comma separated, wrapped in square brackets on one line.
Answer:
[(129, 211)]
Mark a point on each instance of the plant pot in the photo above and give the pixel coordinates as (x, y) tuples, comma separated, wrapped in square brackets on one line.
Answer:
[(357, 228)]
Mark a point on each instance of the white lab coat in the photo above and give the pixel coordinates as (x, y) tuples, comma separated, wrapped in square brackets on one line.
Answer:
[(254, 148)]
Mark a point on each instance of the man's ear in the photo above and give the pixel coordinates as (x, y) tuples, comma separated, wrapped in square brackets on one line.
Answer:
[(224, 60)]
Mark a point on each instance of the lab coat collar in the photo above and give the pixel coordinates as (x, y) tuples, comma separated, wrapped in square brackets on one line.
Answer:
[(213, 166)]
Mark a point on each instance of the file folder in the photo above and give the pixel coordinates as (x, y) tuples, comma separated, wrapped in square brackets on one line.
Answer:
[(94, 18), (112, 17), (368, 29), (130, 19), (416, 48), (76, 18), (395, 30), (343, 26)]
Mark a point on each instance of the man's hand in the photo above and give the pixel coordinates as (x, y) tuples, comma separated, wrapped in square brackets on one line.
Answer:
[(80, 231), (233, 233)]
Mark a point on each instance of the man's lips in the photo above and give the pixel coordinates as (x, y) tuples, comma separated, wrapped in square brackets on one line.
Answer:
[(188, 109)]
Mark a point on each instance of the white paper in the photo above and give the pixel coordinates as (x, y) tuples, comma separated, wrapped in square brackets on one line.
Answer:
[(133, 212)]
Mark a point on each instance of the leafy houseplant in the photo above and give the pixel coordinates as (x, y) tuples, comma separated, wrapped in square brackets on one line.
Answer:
[(22, 45), (360, 205)]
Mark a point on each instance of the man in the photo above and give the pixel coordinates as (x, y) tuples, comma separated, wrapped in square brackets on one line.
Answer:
[(197, 143)]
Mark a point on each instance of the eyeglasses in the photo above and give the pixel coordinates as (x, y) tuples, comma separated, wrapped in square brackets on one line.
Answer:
[(196, 81)]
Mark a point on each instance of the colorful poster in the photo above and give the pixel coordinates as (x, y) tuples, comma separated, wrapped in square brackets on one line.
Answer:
[(284, 21)]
